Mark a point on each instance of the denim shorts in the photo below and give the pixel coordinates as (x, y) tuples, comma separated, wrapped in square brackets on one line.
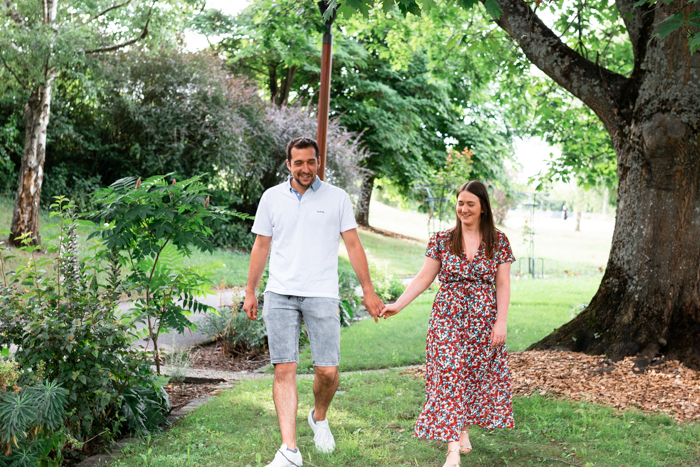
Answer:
[(283, 314)]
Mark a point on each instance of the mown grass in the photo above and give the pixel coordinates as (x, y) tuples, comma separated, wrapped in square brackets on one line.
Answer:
[(372, 417), (392, 255), (537, 307)]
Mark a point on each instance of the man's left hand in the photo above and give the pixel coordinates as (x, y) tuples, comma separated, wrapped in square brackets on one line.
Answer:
[(373, 304)]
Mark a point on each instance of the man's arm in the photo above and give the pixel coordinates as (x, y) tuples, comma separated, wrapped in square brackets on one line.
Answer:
[(358, 260), (258, 260)]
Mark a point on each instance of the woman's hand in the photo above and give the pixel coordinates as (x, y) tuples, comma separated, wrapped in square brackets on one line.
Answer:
[(390, 310), (498, 334)]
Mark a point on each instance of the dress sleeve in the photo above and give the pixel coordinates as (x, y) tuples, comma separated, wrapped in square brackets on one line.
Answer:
[(433, 250), (504, 253)]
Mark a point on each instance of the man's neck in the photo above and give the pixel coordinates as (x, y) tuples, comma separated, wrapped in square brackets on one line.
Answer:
[(301, 189)]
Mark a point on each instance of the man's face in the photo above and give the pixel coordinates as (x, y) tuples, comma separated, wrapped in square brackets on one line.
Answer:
[(303, 166)]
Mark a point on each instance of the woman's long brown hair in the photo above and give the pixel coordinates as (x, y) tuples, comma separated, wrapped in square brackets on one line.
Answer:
[(486, 224)]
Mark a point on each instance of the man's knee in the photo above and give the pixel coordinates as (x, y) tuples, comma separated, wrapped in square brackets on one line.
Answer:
[(327, 375), (285, 371)]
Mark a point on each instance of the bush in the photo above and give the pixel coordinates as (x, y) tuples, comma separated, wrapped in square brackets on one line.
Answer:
[(8, 375), (350, 302), (234, 332), (67, 329), (387, 286)]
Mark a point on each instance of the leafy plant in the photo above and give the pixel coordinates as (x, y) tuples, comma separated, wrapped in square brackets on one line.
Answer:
[(387, 286), (179, 361), (67, 329), (31, 425), (151, 226), (234, 332), (350, 302)]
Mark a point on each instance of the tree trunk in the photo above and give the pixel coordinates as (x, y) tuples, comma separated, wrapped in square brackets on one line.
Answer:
[(648, 303), (578, 221), (25, 218), (362, 215), (649, 300)]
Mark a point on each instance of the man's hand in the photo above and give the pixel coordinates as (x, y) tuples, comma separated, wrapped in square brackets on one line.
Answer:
[(373, 304), (250, 306)]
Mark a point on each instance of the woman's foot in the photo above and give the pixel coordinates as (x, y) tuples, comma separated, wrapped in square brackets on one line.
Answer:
[(464, 445), (452, 458)]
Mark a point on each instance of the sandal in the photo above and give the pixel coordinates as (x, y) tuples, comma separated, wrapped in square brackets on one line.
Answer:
[(451, 465), (465, 448)]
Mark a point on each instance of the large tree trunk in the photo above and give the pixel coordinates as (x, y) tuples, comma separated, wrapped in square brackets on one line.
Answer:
[(648, 303), (25, 218), (362, 215)]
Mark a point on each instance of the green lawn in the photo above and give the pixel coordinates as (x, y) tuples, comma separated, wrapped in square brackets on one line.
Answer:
[(398, 257), (537, 307), (372, 417)]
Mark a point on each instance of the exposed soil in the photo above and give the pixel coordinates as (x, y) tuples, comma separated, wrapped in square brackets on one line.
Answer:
[(211, 356), (661, 386)]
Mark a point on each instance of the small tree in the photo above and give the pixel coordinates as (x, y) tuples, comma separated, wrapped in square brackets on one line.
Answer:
[(152, 225)]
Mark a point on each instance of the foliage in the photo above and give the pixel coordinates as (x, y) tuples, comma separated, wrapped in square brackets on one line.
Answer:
[(8, 374), (150, 226), (67, 329), (234, 332), (31, 425), (178, 362), (385, 85), (387, 286), (350, 302)]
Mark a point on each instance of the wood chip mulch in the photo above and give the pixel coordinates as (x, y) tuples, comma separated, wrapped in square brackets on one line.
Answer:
[(663, 386), (211, 356), (181, 395)]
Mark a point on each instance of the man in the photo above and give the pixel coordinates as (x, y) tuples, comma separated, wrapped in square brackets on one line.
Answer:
[(302, 219)]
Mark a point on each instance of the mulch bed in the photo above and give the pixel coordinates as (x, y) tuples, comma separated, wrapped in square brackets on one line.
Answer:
[(180, 395), (664, 386), (211, 357)]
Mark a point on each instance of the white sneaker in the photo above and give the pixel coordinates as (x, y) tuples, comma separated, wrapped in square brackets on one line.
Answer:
[(322, 434), (286, 458)]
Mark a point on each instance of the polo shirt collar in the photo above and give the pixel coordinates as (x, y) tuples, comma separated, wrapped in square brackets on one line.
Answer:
[(314, 186)]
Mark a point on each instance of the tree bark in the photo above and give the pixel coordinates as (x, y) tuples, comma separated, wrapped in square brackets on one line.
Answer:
[(648, 303), (362, 215), (25, 218)]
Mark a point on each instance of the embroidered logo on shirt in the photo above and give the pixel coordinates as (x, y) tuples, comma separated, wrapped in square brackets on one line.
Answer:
[(321, 212)]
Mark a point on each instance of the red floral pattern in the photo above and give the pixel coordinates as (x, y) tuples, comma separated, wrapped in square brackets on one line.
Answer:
[(467, 382)]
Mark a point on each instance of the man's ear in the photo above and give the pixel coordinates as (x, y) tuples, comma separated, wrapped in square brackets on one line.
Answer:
[(289, 166)]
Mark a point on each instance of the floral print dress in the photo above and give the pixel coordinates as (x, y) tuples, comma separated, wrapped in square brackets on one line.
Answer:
[(467, 382)]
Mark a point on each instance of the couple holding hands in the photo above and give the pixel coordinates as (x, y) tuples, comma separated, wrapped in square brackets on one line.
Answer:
[(467, 376)]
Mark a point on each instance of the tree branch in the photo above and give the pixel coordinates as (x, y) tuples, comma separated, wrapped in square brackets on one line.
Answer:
[(110, 48), (12, 72), (14, 14), (107, 10), (598, 87), (639, 23)]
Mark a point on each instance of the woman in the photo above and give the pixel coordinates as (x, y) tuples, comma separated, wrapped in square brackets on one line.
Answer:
[(467, 378)]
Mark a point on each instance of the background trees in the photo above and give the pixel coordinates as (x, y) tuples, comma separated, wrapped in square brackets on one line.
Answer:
[(391, 83), (647, 303)]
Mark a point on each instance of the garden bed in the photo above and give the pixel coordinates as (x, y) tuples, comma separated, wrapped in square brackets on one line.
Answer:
[(211, 357), (662, 386)]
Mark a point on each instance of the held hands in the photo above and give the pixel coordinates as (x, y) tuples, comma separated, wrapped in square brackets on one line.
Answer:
[(390, 310), (498, 334), (250, 305), (373, 304)]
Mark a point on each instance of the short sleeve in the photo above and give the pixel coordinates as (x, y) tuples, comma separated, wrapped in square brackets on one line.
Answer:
[(347, 217), (262, 225), (433, 250), (504, 254)]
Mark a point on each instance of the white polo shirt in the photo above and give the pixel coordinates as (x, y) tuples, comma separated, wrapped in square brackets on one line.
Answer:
[(305, 237)]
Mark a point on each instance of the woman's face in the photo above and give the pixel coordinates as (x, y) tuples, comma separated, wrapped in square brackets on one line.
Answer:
[(469, 209)]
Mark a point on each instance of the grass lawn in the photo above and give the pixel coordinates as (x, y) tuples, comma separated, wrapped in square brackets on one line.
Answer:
[(537, 307), (372, 418), (398, 257)]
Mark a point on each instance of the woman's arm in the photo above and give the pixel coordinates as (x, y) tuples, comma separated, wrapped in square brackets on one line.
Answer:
[(498, 333), (422, 281)]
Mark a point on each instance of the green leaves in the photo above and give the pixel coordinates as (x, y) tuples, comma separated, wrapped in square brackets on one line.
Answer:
[(493, 9)]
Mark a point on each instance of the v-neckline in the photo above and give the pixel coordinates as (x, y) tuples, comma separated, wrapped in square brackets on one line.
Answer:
[(476, 253)]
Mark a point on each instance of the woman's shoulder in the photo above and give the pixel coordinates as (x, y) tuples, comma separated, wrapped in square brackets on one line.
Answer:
[(443, 235), (500, 236)]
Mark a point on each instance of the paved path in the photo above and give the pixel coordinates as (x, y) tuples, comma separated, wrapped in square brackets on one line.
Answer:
[(166, 342)]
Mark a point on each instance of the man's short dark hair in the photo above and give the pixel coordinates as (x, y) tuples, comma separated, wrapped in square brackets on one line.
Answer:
[(301, 143)]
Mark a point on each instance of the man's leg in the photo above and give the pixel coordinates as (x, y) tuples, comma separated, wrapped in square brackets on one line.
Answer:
[(284, 392), (325, 384)]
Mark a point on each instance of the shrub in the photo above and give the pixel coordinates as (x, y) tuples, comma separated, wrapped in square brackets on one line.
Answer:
[(8, 375), (350, 302), (234, 332), (67, 329), (387, 286)]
